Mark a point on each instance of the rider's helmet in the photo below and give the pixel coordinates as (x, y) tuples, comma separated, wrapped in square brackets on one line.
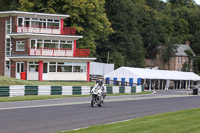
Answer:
[(100, 82)]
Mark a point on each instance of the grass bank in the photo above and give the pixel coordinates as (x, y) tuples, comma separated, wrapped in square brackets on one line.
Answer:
[(186, 121), (5, 81), (36, 97)]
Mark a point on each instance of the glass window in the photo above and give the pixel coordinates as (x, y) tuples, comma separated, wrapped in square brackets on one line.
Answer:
[(50, 20), (20, 45), (185, 58), (76, 68), (20, 21), (68, 64), (53, 25), (47, 40), (7, 69), (39, 45), (56, 21), (79, 67), (60, 63), (8, 27), (33, 66), (8, 47), (65, 46), (69, 41), (55, 41), (62, 41), (33, 42), (39, 40), (52, 68), (64, 69)]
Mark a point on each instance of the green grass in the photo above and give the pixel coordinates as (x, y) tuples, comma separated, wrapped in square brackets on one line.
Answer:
[(186, 121), (36, 97), (5, 81)]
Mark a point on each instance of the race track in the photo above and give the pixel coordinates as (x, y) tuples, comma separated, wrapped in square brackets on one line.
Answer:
[(47, 116)]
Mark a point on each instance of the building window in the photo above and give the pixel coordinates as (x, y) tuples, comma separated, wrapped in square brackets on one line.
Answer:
[(67, 67), (181, 60), (52, 67), (20, 45), (185, 58), (79, 67), (8, 47), (39, 23), (7, 69), (64, 67), (33, 66), (33, 43), (8, 27), (178, 60), (63, 44)]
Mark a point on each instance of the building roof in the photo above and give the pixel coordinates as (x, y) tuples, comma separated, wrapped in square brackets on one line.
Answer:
[(131, 72), (180, 51), (50, 58), (31, 14), (44, 36)]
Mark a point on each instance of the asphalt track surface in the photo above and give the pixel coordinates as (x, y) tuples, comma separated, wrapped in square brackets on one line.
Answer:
[(47, 116)]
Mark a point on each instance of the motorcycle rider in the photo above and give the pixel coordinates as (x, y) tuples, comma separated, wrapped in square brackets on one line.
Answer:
[(100, 85)]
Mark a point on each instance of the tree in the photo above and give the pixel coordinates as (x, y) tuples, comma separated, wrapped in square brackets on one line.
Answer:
[(168, 51), (88, 16), (187, 66), (126, 39), (8, 5)]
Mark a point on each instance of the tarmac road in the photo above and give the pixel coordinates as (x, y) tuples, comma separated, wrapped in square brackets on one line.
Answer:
[(47, 116)]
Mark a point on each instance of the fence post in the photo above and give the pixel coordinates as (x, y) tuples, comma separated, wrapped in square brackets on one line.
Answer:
[(123, 81), (107, 80)]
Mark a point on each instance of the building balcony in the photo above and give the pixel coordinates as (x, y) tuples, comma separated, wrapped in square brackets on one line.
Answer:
[(45, 29), (59, 52)]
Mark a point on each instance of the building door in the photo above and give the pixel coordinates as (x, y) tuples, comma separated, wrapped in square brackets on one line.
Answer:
[(19, 69), (45, 71)]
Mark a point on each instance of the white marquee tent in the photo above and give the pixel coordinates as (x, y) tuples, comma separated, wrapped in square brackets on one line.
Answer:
[(131, 72), (149, 74)]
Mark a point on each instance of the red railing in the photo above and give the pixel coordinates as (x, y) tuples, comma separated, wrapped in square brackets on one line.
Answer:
[(45, 29), (59, 52), (68, 31)]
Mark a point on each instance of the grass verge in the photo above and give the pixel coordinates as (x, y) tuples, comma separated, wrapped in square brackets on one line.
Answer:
[(186, 121), (36, 97), (5, 81)]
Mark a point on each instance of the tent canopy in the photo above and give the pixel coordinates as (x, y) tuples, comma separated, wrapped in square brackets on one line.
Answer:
[(131, 72)]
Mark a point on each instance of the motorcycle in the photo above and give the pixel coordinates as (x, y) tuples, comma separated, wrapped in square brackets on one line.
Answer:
[(97, 98)]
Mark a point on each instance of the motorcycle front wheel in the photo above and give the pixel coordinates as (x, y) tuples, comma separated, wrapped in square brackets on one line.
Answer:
[(93, 101)]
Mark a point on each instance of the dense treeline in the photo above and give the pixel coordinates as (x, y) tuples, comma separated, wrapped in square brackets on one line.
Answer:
[(129, 30)]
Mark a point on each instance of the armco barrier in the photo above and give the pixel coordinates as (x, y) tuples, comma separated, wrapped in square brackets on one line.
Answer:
[(4, 91), (121, 89), (76, 90), (22, 90), (56, 90), (31, 90)]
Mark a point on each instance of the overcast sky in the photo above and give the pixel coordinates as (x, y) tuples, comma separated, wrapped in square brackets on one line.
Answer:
[(197, 1)]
